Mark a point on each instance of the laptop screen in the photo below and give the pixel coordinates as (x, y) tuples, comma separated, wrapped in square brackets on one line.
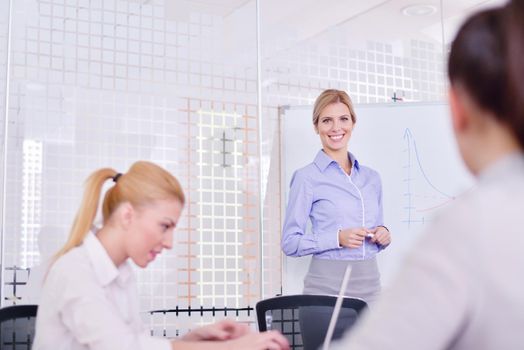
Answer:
[(336, 309)]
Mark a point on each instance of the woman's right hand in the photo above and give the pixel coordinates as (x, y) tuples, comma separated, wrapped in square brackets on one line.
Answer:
[(271, 340), (352, 237), (222, 330)]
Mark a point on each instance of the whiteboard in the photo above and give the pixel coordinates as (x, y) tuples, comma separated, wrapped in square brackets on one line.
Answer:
[(412, 147)]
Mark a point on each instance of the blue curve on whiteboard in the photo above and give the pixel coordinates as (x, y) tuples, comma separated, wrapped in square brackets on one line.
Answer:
[(410, 139), (409, 136)]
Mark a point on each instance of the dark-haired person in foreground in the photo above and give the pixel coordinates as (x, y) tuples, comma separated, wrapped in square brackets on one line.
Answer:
[(462, 287)]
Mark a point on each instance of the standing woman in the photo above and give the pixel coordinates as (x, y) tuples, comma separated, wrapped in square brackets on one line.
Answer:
[(90, 298), (343, 200)]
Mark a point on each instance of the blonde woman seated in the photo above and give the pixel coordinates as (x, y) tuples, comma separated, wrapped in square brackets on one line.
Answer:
[(90, 298)]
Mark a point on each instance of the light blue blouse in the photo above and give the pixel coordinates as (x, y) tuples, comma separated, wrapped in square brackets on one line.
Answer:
[(323, 193)]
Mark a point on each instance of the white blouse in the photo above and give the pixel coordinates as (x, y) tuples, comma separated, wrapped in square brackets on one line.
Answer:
[(89, 303)]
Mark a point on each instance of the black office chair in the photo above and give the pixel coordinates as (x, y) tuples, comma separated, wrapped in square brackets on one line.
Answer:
[(17, 327), (304, 319)]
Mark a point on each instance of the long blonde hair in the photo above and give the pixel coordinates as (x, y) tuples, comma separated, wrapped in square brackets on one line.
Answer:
[(143, 183)]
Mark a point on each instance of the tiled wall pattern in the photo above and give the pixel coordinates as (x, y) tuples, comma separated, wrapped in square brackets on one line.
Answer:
[(412, 70), (31, 201), (106, 82)]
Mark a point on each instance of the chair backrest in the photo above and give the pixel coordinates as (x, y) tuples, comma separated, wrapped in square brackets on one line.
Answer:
[(304, 319), (17, 326)]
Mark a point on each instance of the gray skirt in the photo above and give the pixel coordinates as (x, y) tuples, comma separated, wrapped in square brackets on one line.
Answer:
[(325, 277)]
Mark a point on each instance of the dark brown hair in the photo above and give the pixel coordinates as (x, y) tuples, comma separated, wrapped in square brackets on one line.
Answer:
[(486, 59)]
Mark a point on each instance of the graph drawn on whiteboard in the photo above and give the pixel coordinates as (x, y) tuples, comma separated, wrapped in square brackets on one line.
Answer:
[(421, 197)]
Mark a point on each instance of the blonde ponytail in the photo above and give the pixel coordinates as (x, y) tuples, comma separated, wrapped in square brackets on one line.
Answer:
[(88, 208), (145, 182)]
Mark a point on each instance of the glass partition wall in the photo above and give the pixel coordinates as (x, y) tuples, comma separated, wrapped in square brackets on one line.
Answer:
[(192, 86), (5, 7), (103, 83)]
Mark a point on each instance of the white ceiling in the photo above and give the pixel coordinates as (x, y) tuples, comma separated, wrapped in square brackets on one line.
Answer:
[(372, 19), (304, 19), (289, 23)]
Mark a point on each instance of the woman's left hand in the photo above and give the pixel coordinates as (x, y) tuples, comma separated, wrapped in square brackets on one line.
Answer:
[(222, 330), (381, 236)]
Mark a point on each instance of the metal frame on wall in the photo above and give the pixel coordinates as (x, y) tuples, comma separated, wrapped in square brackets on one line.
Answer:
[(4, 152)]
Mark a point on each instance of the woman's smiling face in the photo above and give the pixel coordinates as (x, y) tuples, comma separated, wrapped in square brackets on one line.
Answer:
[(334, 127)]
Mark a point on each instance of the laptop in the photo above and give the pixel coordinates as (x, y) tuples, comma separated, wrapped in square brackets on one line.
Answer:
[(336, 309)]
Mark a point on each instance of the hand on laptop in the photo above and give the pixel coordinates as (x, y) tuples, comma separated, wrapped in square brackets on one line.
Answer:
[(222, 330), (270, 340)]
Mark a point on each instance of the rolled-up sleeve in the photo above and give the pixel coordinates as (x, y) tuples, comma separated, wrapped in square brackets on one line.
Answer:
[(295, 241)]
